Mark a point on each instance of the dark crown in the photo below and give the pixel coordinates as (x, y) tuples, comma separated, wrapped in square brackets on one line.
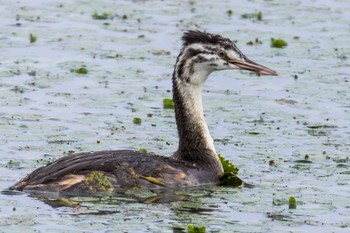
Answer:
[(191, 37)]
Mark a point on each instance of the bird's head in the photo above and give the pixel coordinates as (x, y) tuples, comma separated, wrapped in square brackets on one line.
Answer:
[(203, 53)]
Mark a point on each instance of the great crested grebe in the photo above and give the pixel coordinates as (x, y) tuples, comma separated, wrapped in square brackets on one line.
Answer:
[(194, 163)]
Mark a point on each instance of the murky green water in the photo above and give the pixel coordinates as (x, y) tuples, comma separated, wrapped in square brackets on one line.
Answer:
[(47, 110)]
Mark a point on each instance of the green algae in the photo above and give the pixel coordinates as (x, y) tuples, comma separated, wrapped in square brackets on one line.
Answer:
[(97, 181)]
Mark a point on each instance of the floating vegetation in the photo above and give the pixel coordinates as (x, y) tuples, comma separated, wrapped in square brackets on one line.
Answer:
[(228, 166), (97, 181), (229, 178), (160, 52), (81, 70), (321, 126), (258, 16), (32, 38), (320, 130), (286, 101), (168, 103), (292, 203), (143, 150), (229, 12), (103, 16), (278, 43), (196, 229), (255, 42), (137, 120), (12, 163)]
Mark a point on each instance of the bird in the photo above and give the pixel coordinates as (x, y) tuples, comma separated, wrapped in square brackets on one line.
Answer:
[(195, 163)]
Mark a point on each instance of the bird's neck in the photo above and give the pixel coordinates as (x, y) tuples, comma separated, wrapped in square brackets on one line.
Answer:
[(195, 143)]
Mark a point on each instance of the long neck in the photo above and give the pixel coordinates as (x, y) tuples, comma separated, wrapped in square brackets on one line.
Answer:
[(195, 143)]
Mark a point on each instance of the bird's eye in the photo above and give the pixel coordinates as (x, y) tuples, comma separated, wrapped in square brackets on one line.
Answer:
[(222, 54)]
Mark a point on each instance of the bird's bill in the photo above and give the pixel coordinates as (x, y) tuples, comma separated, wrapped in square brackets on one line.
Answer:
[(252, 66)]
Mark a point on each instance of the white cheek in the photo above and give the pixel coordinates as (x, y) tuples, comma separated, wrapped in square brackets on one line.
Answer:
[(200, 74), (233, 55)]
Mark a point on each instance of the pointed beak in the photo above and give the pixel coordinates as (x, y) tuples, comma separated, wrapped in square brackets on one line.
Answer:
[(252, 66)]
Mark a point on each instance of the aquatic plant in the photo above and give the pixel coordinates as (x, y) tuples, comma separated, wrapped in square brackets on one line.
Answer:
[(137, 120), (278, 43), (103, 16), (81, 70), (32, 38), (168, 103), (196, 229), (229, 178), (292, 203), (97, 181), (143, 150)]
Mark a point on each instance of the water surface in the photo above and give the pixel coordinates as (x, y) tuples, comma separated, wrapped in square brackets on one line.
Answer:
[(47, 110)]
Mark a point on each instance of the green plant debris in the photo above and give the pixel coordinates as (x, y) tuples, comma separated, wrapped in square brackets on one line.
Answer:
[(303, 161), (137, 120), (228, 166), (143, 150), (321, 126), (12, 163), (229, 12), (278, 43), (32, 38), (196, 229), (259, 16), (229, 178), (292, 203), (97, 181), (81, 70), (254, 42), (103, 16), (168, 103)]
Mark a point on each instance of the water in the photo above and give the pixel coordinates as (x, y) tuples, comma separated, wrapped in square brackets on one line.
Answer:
[(47, 110)]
